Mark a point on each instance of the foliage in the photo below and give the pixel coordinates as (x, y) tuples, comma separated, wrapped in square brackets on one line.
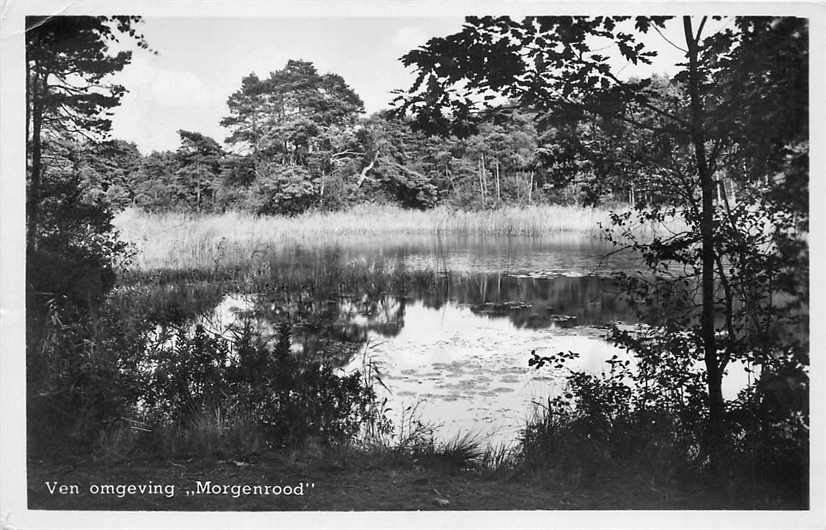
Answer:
[(110, 171), (72, 249), (690, 138), (292, 160), (67, 96), (154, 186), (175, 384), (289, 399), (648, 415), (82, 374), (74, 379), (285, 112), (199, 161), (281, 190)]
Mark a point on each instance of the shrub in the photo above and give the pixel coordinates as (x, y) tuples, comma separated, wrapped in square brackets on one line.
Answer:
[(287, 398), (282, 190), (649, 418), (82, 375)]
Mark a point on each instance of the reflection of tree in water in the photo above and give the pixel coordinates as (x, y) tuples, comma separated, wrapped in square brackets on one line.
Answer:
[(334, 300), (331, 304), (168, 303), (528, 302), (384, 315)]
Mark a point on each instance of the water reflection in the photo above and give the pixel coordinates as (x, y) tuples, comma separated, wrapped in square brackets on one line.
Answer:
[(461, 349), (470, 369), (451, 322), (343, 315), (530, 302)]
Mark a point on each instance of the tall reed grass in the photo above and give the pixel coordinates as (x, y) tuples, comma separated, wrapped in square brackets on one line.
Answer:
[(181, 240)]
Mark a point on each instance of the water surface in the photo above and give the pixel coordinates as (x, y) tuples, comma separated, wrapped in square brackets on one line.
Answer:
[(449, 321)]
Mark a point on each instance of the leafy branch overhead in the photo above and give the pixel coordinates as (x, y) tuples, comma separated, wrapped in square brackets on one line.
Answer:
[(545, 63)]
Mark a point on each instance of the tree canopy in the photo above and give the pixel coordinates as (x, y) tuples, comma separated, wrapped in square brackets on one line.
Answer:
[(68, 92), (289, 112)]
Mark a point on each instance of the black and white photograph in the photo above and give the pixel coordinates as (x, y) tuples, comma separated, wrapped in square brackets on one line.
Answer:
[(522, 260)]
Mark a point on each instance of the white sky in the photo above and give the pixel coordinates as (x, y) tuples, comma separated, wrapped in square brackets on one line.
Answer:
[(201, 61)]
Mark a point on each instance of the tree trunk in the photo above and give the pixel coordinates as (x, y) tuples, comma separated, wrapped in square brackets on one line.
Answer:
[(484, 178), (498, 188), (481, 180), (714, 377), (530, 188), (28, 103), (37, 169), (367, 168)]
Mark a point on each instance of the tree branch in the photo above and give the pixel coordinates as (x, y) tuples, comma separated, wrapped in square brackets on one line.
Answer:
[(367, 168)]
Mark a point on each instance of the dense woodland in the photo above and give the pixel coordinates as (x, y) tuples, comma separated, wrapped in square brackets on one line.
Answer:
[(504, 112), (300, 141)]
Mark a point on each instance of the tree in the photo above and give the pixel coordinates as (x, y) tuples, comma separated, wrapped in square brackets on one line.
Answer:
[(74, 376), (556, 67), (156, 186), (417, 170), (504, 145), (398, 163), (284, 115), (199, 161), (623, 170), (109, 172), (296, 118), (67, 62)]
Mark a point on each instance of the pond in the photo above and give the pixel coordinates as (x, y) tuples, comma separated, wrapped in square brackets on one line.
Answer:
[(449, 322)]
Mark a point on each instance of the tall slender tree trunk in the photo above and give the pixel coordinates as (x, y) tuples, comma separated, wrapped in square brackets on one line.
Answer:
[(484, 177), (498, 187), (37, 168), (481, 180), (713, 369), (530, 189), (28, 103)]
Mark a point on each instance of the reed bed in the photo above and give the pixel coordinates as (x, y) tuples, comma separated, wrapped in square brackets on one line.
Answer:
[(529, 221), (185, 241)]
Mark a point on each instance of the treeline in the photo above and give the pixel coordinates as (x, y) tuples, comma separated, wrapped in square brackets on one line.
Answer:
[(299, 141)]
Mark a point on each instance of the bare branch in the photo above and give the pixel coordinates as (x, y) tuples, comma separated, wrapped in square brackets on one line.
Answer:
[(668, 40)]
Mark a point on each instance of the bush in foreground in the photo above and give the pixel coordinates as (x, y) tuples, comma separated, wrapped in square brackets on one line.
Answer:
[(626, 422), (189, 391)]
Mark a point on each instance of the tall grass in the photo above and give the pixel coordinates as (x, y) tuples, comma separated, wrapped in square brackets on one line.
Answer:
[(377, 219), (181, 240)]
